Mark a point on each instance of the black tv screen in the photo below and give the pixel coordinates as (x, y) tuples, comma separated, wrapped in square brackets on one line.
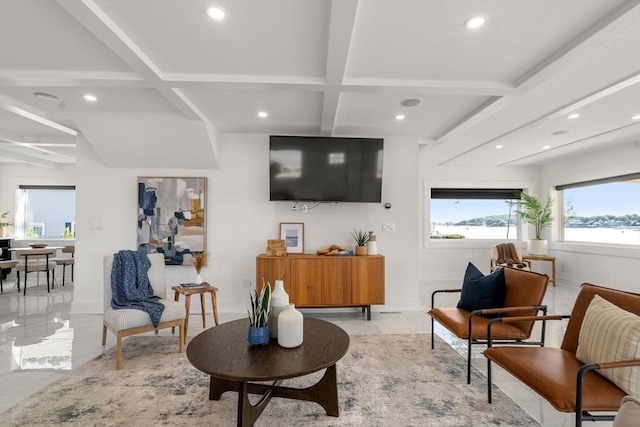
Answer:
[(325, 169)]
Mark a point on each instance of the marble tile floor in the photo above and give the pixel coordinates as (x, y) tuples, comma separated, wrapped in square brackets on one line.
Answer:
[(40, 341)]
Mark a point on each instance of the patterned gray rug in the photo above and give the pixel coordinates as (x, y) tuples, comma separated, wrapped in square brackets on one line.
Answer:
[(384, 380)]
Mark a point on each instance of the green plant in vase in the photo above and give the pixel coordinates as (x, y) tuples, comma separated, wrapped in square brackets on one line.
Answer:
[(259, 315), (4, 223), (361, 238), (539, 214)]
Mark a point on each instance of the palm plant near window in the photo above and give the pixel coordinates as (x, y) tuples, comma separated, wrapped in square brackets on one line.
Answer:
[(534, 212)]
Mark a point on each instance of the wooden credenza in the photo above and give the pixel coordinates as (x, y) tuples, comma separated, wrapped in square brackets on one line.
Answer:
[(314, 281)]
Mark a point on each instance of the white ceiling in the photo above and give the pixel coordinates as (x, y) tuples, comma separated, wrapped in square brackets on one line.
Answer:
[(169, 79)]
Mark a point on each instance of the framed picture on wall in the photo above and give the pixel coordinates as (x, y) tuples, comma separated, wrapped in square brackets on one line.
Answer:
[(172, 217), (293, 235)]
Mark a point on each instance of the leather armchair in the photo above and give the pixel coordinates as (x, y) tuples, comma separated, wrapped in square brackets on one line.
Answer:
[(524, 294), (556, 374)]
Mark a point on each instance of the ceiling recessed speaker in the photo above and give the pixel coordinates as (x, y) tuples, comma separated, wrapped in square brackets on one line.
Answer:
[(412, 102)]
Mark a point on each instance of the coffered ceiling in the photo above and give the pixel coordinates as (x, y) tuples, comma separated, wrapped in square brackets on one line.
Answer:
[(168, 79)]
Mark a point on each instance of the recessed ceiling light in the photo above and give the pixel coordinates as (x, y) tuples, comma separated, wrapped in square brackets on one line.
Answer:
[(46, 96), (216, 13), (412, 102), (499, 146), (90, 98), (560, 132), (636, 117), (573, 116), (474, 22), (400, 116), (262, 114), (546, 147)]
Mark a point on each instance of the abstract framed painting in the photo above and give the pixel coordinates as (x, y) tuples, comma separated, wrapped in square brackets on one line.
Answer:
[(293, 235), (172, 217)]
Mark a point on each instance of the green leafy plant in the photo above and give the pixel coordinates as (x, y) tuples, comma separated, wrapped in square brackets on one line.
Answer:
[(260, 306), (5, 222), (32, 233), (361, 237), (534, 212), (67, 233)]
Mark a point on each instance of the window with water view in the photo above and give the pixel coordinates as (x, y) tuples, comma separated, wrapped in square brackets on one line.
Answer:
[(603, 211), (474, 214)]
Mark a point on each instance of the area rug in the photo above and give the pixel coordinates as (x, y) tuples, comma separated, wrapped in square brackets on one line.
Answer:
[(383, 380)]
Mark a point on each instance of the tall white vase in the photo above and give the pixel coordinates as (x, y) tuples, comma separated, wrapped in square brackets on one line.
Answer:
[(279, 302), (372, 247), (198, 279), (290, 327)]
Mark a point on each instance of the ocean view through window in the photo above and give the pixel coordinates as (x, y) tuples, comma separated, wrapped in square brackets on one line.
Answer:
[(602, 211), (474, 214)]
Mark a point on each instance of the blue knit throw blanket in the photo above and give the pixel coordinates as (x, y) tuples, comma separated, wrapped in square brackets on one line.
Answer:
[(130, 286)]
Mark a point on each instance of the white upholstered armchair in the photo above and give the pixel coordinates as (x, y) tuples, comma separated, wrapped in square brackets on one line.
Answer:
[(125, 322)]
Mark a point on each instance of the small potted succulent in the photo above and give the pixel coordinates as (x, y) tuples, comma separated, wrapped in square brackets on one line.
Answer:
[(259, 315), (361, 238)]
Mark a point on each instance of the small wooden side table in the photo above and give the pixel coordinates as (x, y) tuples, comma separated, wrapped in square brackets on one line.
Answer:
[(187, 303), (551, 259)]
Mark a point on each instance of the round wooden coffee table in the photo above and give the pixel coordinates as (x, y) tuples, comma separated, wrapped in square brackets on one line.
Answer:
[(225, 355)]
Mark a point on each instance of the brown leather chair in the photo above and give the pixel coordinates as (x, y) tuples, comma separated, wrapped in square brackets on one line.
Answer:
[(555, 373), (523, 297)]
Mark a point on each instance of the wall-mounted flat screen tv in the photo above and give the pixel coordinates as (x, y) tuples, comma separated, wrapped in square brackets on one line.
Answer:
[(325, 169)]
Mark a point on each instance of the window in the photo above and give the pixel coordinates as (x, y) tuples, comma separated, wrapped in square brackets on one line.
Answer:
[(474, 213), (46, 211), (602, 211)]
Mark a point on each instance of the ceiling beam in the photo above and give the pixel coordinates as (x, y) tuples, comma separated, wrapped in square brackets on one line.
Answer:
[(23, 158), (342, 21), (622, 19), (37, 118), (563, 111), (89, 14)]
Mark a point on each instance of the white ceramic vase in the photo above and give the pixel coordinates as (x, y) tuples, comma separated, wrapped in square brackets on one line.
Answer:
[(372, 247), (279, 302), (198, 279), (290, 327)]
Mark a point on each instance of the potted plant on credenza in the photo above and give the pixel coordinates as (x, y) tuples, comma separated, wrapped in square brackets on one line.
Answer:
[(361, 238), (533, 211)]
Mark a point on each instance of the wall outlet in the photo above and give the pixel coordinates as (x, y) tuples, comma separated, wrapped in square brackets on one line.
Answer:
[(246, 283), (563, 267)]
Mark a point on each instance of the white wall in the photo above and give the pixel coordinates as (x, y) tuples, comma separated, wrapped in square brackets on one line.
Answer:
[(615, 266), (241, 220), (443, 262)]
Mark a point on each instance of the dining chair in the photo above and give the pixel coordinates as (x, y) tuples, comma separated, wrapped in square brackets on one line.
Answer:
[(35, 260), (68, 260)]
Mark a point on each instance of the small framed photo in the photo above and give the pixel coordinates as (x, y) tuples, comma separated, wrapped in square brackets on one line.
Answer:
[(293, 235)]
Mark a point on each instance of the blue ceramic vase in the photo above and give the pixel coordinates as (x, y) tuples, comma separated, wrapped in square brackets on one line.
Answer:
[(258, 336)]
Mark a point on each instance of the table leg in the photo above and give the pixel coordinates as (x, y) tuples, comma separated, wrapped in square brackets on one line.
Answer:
[(204, 321), (324, 392), (553, 271), (214, 306), (187, 305), (175, 298)]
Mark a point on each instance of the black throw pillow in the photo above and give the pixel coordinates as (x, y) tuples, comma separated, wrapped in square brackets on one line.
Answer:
[(480, 291)]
